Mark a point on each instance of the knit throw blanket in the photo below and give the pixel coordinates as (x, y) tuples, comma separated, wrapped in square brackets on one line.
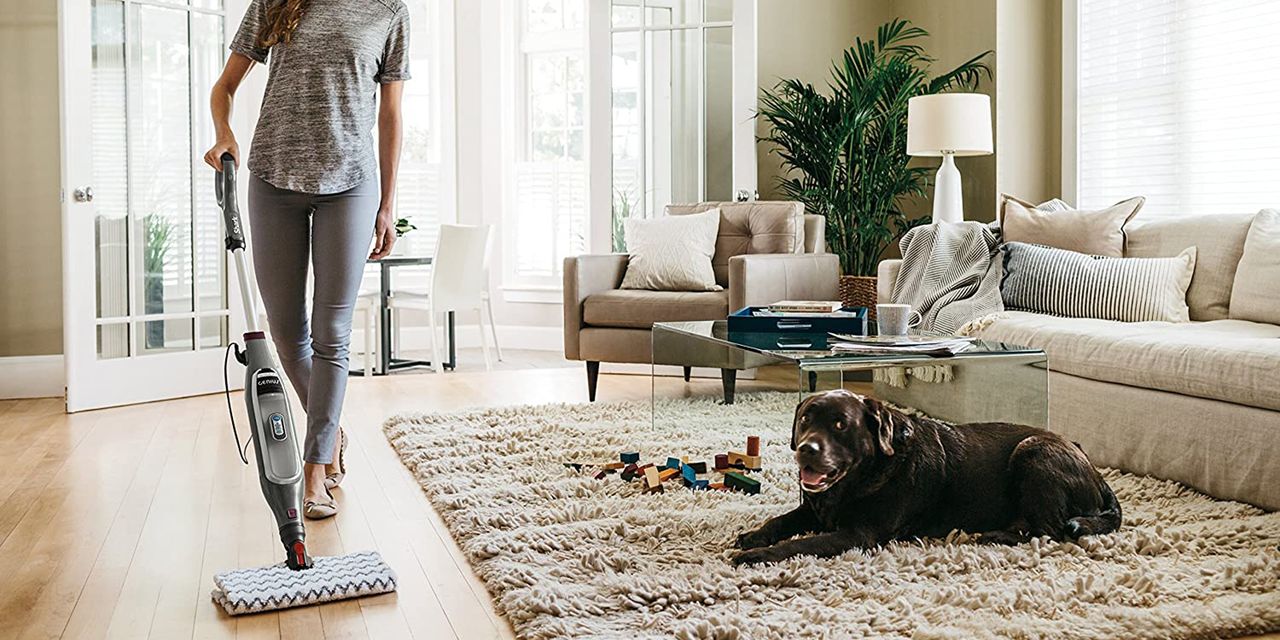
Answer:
[(950, 274)]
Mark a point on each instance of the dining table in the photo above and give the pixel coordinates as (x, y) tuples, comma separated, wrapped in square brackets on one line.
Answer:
[(387, 360)]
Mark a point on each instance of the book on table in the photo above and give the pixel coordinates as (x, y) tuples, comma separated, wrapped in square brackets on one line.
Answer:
[(805, 306)]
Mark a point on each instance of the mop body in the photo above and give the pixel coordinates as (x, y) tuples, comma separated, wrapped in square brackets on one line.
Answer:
[(279, 587)]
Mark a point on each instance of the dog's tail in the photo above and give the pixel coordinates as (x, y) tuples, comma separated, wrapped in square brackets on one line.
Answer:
[(1104, 521)]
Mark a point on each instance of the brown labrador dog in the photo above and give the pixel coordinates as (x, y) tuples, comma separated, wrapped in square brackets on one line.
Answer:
[(870, 474)]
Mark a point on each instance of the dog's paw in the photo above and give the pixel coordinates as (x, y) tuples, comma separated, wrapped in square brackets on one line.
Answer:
[(752, 556), (751, 540)]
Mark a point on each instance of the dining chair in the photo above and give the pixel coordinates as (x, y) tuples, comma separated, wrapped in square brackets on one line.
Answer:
[(459, 282)]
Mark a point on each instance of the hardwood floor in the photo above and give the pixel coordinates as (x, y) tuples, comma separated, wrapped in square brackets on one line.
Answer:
[(113, 522)]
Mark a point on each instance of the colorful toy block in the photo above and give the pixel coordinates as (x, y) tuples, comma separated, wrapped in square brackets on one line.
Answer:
[(666, 474), (688, 475), (652, 481), (631, 457), (753, 445), (700, 485), (603, 473), (698, 467), (744, 461), (722, 462), (614, 466), (672, 463), (576, 466), (741, 482), (717, 486), (629, 472)]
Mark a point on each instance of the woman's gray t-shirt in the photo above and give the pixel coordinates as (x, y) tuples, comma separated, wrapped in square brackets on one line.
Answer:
[(315, 130)]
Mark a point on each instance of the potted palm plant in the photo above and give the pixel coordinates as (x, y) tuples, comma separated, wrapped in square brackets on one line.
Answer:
[(844, 150)]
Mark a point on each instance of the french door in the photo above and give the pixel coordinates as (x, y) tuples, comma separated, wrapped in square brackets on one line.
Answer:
[(147, 311), (673, 98)]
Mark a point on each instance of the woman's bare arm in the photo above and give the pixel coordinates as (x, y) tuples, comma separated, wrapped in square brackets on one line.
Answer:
[(390, 134), (221, 98)]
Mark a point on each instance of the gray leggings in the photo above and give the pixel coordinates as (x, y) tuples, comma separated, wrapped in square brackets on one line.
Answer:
[(334, 231)]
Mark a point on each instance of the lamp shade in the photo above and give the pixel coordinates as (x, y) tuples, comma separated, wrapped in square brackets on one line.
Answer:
[(957, 123)]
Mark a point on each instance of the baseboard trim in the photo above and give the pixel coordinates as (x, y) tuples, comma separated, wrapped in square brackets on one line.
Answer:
[(32, 377)]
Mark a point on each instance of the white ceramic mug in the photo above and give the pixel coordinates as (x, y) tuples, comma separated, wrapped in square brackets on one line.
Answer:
[(896, 319)]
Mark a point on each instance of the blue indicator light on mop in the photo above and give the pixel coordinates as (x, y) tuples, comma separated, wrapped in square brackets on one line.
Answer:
[(277, 426)]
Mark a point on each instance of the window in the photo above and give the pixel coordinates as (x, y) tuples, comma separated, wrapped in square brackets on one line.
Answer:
[(425, 184), (1176, 101), (672, 105), (546, 212)]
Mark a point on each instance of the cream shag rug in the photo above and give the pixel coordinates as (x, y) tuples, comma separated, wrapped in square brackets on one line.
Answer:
[(568, 556)]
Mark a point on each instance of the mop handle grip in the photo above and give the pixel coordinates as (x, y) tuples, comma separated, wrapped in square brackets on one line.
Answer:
[(224, 187)]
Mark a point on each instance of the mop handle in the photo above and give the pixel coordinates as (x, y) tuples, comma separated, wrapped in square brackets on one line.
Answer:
[(224, 186)]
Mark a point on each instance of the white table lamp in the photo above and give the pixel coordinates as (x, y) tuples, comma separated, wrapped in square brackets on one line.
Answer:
[(949, 125)]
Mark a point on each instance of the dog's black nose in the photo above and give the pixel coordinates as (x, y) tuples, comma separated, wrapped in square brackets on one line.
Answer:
[(809, 447)]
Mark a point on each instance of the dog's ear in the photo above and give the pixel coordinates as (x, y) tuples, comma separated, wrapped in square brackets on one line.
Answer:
[(880, 420), (795, 423)]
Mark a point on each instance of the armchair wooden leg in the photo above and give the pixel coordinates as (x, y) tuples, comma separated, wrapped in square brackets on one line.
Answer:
[(593, 375), (729, 377), (688, 372)]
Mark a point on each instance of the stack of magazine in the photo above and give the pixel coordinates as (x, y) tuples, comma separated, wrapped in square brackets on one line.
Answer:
[(936, 346)]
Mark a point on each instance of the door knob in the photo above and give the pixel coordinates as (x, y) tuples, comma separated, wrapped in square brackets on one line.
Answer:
[(83, 194)]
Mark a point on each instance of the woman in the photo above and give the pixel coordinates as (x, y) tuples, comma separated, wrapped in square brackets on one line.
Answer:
[(314, 191)]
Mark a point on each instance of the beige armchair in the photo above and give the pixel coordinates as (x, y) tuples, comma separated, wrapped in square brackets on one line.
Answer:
[(765, 252)]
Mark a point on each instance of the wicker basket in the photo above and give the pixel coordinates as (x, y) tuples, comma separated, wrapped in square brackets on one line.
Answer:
[(859, 291)]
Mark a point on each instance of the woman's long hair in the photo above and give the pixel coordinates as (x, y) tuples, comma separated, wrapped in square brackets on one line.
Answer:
[(282, 19)]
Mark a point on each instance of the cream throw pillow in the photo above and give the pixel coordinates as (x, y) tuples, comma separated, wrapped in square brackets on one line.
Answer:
[(672, 253), (1095, 232), (1255, 295)]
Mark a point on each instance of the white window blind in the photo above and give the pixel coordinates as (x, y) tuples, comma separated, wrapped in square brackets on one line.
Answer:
[(546, 215), (1178, 101)]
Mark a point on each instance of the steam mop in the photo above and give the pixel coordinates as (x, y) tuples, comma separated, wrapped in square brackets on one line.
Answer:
[(300, 580)]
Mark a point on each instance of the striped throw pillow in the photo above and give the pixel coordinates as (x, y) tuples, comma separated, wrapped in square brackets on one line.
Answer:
[(1065, 283)]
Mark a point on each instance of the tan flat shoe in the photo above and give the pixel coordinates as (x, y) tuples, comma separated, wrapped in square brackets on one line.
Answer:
[(334, 479), (320, 510)]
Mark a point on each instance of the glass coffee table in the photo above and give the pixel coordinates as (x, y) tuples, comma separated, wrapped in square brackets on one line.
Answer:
[(993, 382)]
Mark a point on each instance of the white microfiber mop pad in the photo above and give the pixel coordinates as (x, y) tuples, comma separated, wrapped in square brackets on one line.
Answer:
[(279, 587)]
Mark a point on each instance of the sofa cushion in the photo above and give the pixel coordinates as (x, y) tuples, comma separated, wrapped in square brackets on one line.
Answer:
[(1219, 242), (639, 309), (750, 227), (672, 253), (1097, 232), (1066, 283), (1256, 292), (1229, 360)]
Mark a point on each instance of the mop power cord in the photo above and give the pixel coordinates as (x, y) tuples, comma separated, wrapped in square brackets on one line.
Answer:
[(300, 580)]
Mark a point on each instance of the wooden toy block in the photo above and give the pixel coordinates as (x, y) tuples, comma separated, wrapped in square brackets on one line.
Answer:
[(666, 474), (614, 466), (753, 445), (741, 482), (648, 465), (672, 463), (744, 461), (576, 466), (722, 462), (698, 467), (686, 472), (603, 473), (717, 486), (700, 485), (629, 472), (652, 483), (630, 457)]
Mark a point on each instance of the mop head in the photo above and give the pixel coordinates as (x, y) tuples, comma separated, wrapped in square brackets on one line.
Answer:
[(279, 587)]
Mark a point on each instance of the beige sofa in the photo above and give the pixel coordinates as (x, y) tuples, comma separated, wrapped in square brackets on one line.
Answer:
[(1195, 402), (765, 252)]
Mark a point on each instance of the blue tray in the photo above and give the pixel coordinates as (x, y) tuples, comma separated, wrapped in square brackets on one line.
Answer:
[(743, 321)]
